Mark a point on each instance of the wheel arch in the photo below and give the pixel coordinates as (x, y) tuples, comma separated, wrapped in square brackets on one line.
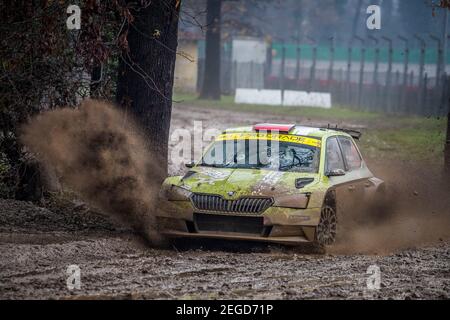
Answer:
[(330, 198)]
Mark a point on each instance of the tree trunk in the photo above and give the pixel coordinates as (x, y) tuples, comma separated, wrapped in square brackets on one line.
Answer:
[(96, 77), (446, 82), (146, 74), (356, 18), (447, 149), (211, 75)]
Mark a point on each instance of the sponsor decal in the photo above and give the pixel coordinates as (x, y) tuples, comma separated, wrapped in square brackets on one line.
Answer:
[(218, 175), (269, 136), (272, 177)]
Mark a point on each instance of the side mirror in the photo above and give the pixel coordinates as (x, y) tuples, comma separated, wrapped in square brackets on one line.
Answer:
[(190, 165), (335, 173)]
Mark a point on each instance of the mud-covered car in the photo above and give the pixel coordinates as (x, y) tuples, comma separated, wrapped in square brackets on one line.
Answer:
[(273, 183)]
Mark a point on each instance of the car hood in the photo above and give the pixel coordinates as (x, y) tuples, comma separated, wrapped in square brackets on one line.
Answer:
[(234, 183)]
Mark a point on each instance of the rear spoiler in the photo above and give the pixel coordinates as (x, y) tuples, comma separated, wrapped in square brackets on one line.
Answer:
[(353, 133)]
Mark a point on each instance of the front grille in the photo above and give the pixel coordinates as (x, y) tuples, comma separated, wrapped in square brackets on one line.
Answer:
[(214, 203), (221, 223)]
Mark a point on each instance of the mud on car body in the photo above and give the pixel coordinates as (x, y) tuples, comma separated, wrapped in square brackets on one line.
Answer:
[(271, 183)]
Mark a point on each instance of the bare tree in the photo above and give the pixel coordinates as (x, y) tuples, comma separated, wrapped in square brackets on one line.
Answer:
[(447, 146), (447, 142), (445, 5), (211, 81), (146, 72), (357, 17)]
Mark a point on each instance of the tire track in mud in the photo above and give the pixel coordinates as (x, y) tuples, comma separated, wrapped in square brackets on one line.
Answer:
[(121, 268)]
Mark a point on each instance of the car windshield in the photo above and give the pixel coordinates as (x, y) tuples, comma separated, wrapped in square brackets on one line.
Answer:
[(262, 154)]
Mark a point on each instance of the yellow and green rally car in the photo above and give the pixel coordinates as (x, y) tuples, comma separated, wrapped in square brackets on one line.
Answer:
[(269, 182)]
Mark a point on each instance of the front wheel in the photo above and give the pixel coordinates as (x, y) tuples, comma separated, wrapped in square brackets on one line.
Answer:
[(327, 228)]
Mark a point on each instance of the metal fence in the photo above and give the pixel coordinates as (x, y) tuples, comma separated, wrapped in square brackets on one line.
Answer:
[(371, 79), (236, 75)]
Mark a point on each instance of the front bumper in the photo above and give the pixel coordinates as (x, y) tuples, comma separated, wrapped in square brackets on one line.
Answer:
[(236, 237), (179, 219)]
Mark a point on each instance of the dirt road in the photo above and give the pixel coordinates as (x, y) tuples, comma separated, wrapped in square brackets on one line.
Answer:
[(37, 245)]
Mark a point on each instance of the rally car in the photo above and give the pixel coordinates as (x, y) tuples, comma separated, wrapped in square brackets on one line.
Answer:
[(273, 183)]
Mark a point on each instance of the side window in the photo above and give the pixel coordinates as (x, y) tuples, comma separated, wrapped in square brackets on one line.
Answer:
[(334, 155), (351, 154)]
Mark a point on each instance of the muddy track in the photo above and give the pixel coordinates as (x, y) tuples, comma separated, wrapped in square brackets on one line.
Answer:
[(116, 264), (38, 244)]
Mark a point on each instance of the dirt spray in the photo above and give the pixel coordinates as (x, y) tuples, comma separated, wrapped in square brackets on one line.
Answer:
[(99, 153), (415, 212)]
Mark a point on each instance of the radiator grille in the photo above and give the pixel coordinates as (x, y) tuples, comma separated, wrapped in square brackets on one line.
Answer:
[(216, 203), (223, 223)]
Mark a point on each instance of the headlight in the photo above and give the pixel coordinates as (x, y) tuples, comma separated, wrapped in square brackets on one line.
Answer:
[(294, 201), (174, 193)]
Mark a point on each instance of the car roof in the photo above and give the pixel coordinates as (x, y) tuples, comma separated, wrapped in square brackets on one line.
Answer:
[(314, 132)]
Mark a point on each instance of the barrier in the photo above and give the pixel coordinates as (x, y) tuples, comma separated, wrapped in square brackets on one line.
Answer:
[(289, 99)]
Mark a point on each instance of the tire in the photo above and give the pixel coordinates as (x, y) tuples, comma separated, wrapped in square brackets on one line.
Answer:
[(327, 228)]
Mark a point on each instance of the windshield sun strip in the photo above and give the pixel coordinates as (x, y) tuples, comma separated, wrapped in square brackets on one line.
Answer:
[(309, 141)]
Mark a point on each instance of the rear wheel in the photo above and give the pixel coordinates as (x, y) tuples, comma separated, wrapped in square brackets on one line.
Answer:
[(327, 228)]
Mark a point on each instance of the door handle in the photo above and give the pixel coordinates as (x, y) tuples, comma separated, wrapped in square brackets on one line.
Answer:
[(351, 188)]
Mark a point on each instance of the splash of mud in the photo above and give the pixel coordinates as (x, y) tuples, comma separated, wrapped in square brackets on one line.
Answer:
[(99, 153), (416, 212), (103, 157)]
